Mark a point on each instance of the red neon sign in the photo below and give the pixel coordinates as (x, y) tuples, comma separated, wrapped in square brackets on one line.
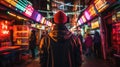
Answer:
[(4, 27)]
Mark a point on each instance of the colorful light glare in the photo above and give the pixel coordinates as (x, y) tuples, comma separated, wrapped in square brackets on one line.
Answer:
[(38, 17), (29, 10), (43, 19), (49, 24), (79, 22), (83, 18), (87, 15)]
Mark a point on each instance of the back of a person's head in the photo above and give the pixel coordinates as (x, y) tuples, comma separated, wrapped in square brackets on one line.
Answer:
[(33, 32), (60, 18)]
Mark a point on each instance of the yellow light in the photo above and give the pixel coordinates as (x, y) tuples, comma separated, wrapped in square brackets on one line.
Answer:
[(12, 2), (99, 4), (43, 19), (91, 10), (11, 14)]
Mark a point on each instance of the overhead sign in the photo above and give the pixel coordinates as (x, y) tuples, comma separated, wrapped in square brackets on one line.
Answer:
[(83, 19), (100, 5), (12, 2), (87, 15), (91, 11), (29, 10), (39, 17)]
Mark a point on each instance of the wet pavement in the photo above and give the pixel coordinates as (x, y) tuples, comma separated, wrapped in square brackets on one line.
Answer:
[(88, 62)]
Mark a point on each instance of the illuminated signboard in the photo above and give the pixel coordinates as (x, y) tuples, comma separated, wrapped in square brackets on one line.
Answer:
[(20, 6), (12, 2), (29, 10), (38, 18), (95, 25), (49, 24), (17, 3), (45, 21), (87, 15), (100, 5), (79, 22), (83, 18), (42, 20), (91, 11)]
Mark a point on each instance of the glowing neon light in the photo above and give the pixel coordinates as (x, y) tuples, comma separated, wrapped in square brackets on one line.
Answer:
[(43, 19), (87, 15), (20, 6), (99, 4), (5, 32), (49, 24), (83, 18), (91, 11), (81, 21), (13, 3), (38, 18), (29, 10)]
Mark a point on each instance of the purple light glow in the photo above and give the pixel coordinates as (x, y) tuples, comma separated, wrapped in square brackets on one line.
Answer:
[(38, 18), (81, 21), (87, 15)]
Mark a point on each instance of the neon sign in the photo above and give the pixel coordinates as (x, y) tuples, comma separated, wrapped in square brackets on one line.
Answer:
[(49, 24), (79, 22), (83, 18), (29, 10), (91, 11), (12, 2), (38, 18), (100, 5), (42, 20), (4, 27), (87, 15)]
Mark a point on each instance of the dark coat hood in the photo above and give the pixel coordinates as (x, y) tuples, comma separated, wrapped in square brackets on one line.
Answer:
[(60, 33)]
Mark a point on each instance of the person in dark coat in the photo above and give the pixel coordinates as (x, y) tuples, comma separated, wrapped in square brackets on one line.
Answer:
[(60, 48), (97, 44), (32, 43), (89, 44)]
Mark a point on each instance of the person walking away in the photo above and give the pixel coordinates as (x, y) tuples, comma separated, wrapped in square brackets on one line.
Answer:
[(88, 43), (97, 44), (32, 43), (60, 48)]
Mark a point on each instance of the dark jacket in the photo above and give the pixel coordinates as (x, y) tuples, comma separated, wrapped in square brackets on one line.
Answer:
[(60, 49), (32, 41)]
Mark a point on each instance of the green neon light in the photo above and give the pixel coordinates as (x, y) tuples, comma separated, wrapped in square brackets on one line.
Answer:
[(23, 5), (20, 7)]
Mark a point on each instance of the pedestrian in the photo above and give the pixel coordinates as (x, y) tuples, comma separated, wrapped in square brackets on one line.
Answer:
[(97, 44), (32, 43), (89, 44), (60, 48)]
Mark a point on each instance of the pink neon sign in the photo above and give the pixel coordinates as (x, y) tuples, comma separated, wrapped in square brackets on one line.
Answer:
[(87, 15), (38, 18), (29, 10)]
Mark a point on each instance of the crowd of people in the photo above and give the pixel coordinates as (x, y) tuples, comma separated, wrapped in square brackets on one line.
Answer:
[(61, 48)]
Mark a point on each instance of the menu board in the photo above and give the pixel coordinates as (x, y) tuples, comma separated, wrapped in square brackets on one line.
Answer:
[(21, 34)]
